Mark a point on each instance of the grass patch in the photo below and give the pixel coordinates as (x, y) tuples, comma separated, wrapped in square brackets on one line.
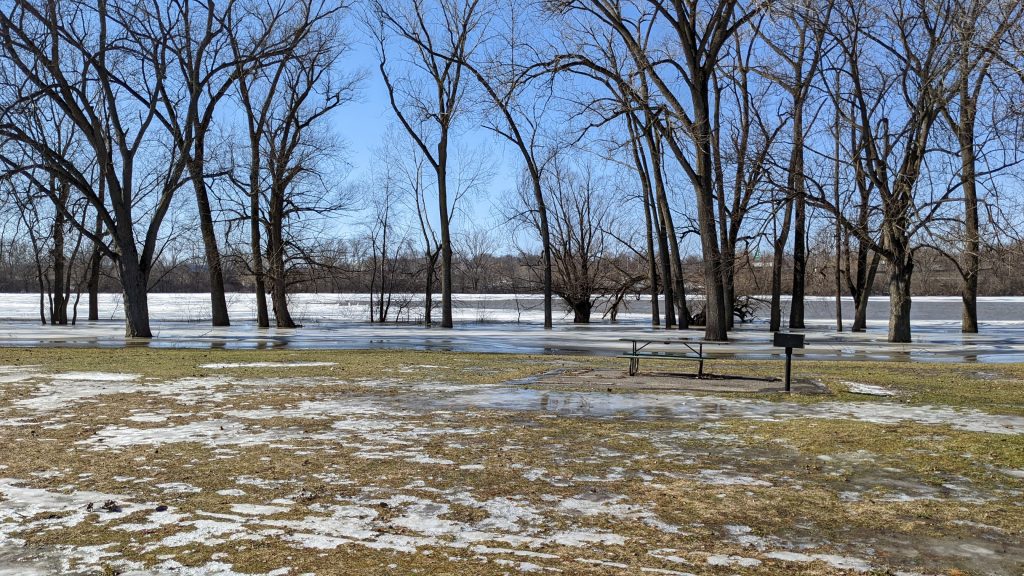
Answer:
[(354, 365), (645, 478)]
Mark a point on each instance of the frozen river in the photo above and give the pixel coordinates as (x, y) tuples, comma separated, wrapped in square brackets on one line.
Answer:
[(511, 323)]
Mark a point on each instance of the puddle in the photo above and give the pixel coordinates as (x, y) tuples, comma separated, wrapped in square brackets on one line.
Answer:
[(701, 408)]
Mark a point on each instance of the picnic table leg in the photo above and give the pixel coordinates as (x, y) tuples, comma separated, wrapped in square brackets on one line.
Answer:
[(700, 363), (634, 362)]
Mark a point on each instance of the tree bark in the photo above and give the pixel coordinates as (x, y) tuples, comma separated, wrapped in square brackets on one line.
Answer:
[(797, 189), (652, 268), (95, 265), (581, 311), (218, 301), (716, 324), (863, 294), (278, 273), (778, 254), (428, 288), (900, 273), (134, 282), (677, 294), (446, 241), (665, 260), (545, 241), (58, 307), (970, 265), (837, 236), (255, 237)]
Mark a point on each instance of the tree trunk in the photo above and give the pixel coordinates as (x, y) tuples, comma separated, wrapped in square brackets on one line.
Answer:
[(446, 241), (279, 296), (95, 265), (779, 249), (428, 289), (728, 283), (59, 310), (381, 308), (255, 245), (716, 324), (134, 282), (677, 294), (545, 242), (900, 273), (797, 188), (665, 256), (581, 311), (96, 261), (218, 301), (652, 268), (970, 261), (837, 235), (865, 282), (278, 273), (839, 281)]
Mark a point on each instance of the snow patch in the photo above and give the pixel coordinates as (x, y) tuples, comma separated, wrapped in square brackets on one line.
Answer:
[(840, 562), (733, 560), (868, 389), (724, 478), (95, 376), (257, 509)]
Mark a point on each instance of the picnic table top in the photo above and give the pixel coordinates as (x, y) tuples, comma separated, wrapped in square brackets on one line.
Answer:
[(672, 340)]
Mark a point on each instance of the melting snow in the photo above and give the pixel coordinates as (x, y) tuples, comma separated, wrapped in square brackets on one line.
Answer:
[(257, 510), (868, 389), (720, 560), (95, 376), (725, 478), (840, 562)]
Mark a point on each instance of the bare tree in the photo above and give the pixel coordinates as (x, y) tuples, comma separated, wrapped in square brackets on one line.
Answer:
[(978, 34), (797, 39), (896, 106), (68, 54), (439, 38), (678, 45), (581, 216), (286, 98)]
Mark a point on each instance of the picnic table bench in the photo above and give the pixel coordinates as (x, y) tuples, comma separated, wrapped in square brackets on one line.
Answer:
[(692, 350)]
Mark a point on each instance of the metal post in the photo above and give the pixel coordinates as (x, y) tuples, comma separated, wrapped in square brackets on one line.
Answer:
[(789, 361)]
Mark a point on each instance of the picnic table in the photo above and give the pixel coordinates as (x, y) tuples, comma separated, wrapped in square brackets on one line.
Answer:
[(685, 349)]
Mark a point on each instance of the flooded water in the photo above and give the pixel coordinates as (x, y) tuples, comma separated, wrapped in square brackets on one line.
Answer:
[(511, 323), (709, 408)]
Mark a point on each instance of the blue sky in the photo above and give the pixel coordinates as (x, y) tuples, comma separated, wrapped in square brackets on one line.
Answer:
[(364, 123)]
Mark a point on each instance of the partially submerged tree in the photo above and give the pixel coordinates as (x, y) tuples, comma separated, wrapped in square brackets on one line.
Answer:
[(428, 95), (901, 69), (69, 55)]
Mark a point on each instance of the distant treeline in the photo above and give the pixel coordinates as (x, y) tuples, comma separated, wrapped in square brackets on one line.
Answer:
[(345, 269)]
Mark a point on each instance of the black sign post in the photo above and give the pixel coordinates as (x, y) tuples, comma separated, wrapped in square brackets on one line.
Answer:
[(789, 341)]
